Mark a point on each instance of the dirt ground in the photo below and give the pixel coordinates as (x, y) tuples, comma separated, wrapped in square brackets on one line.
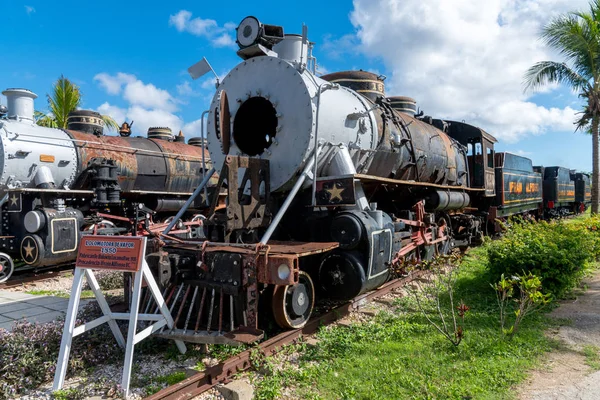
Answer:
[(563, 374)]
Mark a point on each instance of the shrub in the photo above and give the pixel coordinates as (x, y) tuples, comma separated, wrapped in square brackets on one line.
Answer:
[(557, 252), (108, 280), (528, 300), (29, 352)]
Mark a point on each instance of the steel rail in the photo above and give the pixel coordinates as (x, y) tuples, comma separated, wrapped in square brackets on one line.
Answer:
[(16, 281), (211, 376)]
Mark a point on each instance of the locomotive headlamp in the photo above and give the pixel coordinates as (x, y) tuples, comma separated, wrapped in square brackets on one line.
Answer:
[(252, 32), (284, 271), (248, 31)]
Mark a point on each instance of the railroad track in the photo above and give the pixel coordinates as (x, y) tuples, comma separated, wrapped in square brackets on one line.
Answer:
[(29, 277), (203, 381)]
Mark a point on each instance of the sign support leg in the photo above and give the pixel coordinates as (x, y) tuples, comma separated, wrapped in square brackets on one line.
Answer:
[(161, 303), (133, 319), (67, 337), (104, 307)]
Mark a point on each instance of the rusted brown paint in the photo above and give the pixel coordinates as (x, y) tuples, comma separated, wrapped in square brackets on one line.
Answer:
[(90, 146), (269, 273), (183, 162), (225, 123)]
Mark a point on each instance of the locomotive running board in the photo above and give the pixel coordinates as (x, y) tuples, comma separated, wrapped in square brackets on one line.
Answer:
[(242, 335)]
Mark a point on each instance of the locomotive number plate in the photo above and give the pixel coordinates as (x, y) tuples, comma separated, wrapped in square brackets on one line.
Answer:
[(117, 253)]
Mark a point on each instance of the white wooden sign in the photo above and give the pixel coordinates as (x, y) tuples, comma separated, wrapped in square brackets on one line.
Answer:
[(117, 253)]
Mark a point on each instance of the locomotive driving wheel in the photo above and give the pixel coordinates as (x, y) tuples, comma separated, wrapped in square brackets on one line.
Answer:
[(293, 304), (7, 267)]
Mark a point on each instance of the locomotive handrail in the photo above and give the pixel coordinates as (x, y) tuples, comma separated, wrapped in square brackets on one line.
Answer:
[(190, 200), (292, 194), (104, 145)]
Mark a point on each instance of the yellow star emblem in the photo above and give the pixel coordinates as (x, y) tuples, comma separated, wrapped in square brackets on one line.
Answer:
[(335, 193), (203, 197), (14, 200), (29, 250)]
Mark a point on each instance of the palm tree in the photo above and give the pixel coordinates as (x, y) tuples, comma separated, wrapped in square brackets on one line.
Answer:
[(576, 37), (65, 98)]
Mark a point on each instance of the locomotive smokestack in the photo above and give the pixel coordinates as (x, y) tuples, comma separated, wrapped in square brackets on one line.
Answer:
[(20, 104)]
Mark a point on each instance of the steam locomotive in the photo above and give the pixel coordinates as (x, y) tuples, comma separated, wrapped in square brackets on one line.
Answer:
[(330, 185), (58, 184)]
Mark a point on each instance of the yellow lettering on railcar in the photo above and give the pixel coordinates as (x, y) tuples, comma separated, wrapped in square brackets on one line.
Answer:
[(532, 187), (515, 187)]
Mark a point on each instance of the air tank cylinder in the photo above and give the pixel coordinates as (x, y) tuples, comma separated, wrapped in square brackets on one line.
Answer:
[(443, 200)]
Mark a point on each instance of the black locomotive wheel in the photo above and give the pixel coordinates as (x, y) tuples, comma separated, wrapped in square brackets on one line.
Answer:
[(7, 267), (292, 305)]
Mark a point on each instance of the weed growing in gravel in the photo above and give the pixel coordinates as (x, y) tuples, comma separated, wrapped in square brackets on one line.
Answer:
[(592, 357), (435, 298), (68, 394), (85, 294)]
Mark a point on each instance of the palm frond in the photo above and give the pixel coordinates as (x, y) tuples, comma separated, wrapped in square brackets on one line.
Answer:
[(43, 119), (110, 123), (545, 72), (575, 37), (65, 98)]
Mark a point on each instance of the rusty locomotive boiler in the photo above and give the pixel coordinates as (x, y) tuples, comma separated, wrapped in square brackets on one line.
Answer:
[(58, 184), (330, 186)]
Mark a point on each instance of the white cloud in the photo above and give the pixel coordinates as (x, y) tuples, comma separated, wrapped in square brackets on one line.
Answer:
[(185, 89), (194, 128), (114, 84), (118, 114), (463, 59), (148, 105), (136, 92), (148, 95), (219, 36), (224, 40), (29, 10)]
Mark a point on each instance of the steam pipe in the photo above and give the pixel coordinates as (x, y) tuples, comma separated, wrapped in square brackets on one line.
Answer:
[(189, 201), (291, 196)]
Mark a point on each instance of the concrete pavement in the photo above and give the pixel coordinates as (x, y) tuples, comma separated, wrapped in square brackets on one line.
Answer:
[(15, 306)]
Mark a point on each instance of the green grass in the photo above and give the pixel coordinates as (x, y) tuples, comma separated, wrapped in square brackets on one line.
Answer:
[(85, 294), (401, 356), (592, 358), (172, 379)]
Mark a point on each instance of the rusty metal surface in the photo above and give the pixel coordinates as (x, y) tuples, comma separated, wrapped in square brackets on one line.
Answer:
[(299, 249), (145, 164), (90, 146), (184, 166), (207, 379), (245, 211)]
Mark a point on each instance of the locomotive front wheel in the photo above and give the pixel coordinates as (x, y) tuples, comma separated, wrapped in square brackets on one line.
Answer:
[(293, 304), (7, 267)]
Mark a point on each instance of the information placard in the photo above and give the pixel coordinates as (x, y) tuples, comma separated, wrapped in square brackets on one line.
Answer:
[(117, 253)]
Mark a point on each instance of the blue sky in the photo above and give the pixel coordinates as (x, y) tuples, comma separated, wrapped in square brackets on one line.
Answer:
[(461, 60)]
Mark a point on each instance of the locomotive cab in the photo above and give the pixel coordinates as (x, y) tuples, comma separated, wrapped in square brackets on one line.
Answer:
[(480, 155)]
